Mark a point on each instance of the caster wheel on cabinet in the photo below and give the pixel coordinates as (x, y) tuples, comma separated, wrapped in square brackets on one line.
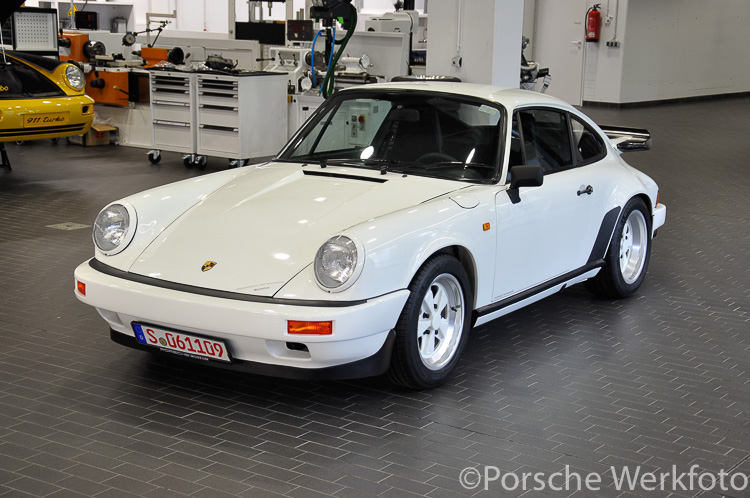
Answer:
[(154, 156)]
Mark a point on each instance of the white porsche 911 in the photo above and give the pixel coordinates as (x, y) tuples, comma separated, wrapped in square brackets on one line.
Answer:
[(396, 219)]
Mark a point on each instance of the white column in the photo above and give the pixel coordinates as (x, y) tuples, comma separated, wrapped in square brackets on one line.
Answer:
[(478, 41)]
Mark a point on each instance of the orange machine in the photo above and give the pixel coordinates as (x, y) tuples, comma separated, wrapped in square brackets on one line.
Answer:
[(79, 47), (153, 56), (77, 41), (108, 86)]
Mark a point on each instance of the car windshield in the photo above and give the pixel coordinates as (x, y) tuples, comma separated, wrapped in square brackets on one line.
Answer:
[(18, 81), (416, 132)]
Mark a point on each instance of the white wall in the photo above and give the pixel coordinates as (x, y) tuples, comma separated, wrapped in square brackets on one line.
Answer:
[(668, 49), (685, 48), (602, 81), (490, 40), (529, 20)]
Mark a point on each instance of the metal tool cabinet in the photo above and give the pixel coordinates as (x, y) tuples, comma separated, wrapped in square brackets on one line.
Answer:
[(241, 116), (173, 116)]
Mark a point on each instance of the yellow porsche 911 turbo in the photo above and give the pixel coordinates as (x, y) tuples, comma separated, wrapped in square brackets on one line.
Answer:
[(42, 98)]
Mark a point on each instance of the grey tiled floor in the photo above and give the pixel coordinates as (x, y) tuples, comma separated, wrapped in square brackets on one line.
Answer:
[(657, 380)]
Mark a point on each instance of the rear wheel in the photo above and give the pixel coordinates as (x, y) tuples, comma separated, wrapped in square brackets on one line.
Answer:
[(628, 255), (434, 325)]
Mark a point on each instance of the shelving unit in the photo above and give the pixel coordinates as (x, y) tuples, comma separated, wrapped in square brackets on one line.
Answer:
[(173, 114), (233, 111), (106, 11), (220, 115)]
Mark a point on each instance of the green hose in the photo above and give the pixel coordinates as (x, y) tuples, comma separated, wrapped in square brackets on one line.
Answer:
[(327, 86)]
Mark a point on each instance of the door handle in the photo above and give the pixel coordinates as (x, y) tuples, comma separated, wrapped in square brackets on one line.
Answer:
[(588, 190)]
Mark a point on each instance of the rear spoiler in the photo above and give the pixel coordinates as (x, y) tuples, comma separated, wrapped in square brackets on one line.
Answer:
[(627, 139)]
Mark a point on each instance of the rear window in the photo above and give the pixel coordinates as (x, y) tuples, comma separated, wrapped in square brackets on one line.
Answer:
[(19, 81)]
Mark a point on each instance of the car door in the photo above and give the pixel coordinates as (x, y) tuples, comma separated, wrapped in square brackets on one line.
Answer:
[(549, 231)]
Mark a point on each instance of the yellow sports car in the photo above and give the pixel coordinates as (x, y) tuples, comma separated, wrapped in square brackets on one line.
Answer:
[(41, 98)]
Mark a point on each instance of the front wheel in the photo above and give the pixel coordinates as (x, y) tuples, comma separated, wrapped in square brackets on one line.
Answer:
[(434, 325), (628, 255)]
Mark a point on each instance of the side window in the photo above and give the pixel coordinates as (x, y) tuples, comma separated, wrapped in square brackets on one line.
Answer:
[(587, 143), (546, 140)]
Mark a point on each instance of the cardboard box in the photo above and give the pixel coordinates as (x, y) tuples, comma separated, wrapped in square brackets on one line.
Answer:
[(99, 134)]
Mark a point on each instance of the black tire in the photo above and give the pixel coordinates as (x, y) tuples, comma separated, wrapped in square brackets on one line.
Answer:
[(632, 231), (188, 162), (201, 162), (154, 157), (412, 366)]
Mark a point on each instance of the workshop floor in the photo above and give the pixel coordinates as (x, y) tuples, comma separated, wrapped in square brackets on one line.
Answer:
[(658, 380)]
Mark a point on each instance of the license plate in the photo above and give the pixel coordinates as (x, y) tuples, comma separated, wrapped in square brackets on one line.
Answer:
[(181, 344), (46, 119)]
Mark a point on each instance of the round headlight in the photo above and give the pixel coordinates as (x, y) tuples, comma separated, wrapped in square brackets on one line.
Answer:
[(112, 229), (74, 76), (336, 263)]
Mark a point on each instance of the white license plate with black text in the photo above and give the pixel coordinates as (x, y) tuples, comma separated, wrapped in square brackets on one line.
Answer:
[(182, 344)]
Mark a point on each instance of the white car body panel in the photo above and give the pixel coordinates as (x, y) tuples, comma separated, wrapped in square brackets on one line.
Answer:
[(254, 331), (283, 242), (262, 226), (399, 243)]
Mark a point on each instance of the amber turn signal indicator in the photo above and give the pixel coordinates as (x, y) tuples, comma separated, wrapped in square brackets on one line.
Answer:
[(486, 227), (309, 328), (81, 287)]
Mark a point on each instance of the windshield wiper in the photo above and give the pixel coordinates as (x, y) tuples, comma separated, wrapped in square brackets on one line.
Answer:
[(382, 164), (442, 164)]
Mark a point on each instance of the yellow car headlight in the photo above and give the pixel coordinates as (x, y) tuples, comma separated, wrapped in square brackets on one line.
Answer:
[(74, 77)]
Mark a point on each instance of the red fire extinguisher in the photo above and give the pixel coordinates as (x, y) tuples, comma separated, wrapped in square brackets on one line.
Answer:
[(593, 23)]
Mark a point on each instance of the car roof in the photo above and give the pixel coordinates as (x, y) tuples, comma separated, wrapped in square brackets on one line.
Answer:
[(508, 97)]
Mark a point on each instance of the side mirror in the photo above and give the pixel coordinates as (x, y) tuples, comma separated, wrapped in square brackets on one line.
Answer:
[(524, 176)]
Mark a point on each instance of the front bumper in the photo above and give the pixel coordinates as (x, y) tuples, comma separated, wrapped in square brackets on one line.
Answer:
[(80, 111), (255, 332)]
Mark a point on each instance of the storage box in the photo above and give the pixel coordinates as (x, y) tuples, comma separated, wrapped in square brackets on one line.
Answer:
[(99, 134)]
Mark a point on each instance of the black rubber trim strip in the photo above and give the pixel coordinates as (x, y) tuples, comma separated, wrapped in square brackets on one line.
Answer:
[(376, 364), (605, 234), (13, 132), (54, 127), (307, 172), (236, 296), (491, 308)]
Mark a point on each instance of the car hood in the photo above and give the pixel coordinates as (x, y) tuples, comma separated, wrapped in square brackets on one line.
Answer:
[(262, 228)]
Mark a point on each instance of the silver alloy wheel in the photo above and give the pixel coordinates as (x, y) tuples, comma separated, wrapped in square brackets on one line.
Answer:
[(633, 246), (441, 321)]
